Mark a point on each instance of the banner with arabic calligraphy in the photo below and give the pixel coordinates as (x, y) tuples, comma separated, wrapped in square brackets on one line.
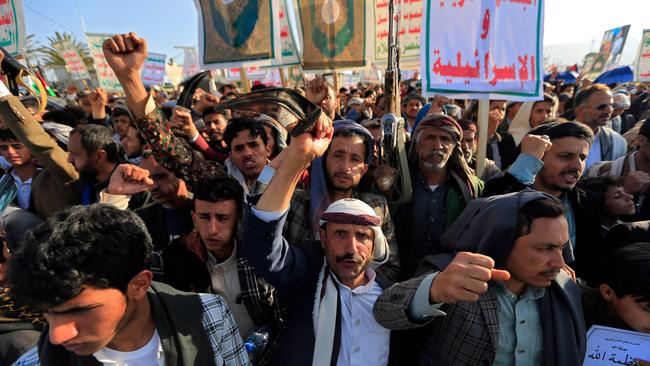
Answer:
[(12, 26), (333, 33), (483, 49), (74, 64), (409, 15), (153, 70), (642, 63), (233, 32), (105, 75)]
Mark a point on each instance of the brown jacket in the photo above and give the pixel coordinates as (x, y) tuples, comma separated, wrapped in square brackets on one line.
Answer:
[(52, 188)]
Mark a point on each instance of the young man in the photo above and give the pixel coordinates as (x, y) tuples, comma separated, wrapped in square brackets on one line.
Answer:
[(134, 145), (86, 270), (249, 151), (531, 115), (412, 104), (330, 284), (209, 259), (469, 144), (23, 167), (504, 298)]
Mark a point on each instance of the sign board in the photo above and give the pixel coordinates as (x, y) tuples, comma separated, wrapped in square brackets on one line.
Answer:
[(12, 26), (105, 75), (289, 51), (610, 346), (74, 64), (333, 33), (613, 42), (233, 32), (408, 14), (190, 63), (153, 70), (642, 63), (482, 49)]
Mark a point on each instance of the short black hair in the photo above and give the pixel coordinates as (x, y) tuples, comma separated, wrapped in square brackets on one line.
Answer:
[(550, 208), (7, 135), (348, 132), (627, 271), (62, 117), (584, 95), (466, 124), (237, 125), (117, 112), (95, 137), (557, 130), (97, 246), (412, 96), (218, 187), (212, 110), (599, 186)]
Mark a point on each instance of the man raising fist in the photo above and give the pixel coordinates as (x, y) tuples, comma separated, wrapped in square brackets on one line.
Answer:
[(504, 298)]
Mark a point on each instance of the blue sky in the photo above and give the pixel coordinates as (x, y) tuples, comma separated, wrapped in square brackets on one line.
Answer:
[(169, 23)]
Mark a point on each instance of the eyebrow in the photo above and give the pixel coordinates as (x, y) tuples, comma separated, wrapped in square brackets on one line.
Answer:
[(74, 309)]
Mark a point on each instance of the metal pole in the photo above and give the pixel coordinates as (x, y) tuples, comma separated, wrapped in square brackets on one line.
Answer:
[(483, 116)]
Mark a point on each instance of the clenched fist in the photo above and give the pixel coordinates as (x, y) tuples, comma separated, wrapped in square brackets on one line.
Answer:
[(125, 53), (465, 279)]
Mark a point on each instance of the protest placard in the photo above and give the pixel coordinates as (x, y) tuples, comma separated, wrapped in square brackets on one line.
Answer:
[(408, 13), (482, 49), (642, 63), (610, 346), (153, 70), (190, 62), (289, 51), (333, 33), (12, 26), (105, 75), (74, 64), (234, 32)]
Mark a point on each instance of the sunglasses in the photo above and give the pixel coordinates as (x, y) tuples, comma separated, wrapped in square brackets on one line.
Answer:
[(601, 107)]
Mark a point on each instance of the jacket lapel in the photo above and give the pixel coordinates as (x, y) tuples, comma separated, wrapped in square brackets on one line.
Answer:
[(490, 310)]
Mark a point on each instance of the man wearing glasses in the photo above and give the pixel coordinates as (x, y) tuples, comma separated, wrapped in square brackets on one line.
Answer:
[(594, 108)]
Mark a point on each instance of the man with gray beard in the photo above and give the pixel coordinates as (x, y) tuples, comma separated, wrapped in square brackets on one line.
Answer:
[(443, 184)]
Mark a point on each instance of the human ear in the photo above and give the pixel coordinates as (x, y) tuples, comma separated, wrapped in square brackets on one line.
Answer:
[(607, 293), (139, 285)]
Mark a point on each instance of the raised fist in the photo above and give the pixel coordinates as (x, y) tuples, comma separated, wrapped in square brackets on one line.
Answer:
[(125, 53)]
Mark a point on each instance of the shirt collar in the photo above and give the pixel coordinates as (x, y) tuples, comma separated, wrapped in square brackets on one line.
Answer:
[(370, 274), (17, 178), (531, 292), (225, 265)]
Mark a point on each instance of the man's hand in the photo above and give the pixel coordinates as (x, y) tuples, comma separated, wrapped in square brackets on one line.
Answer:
[(206, 101), (98, 100), (313, 144), (125, 53), (636, 181), (316, 90), (536, 146), (465, 279), (182, 120), (129, 179)]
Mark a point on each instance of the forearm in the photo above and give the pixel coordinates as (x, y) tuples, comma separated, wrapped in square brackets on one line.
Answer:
[(136, 94), (277, 195)]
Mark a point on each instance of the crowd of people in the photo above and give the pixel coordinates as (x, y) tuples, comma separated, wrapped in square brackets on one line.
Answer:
[(144, 233)]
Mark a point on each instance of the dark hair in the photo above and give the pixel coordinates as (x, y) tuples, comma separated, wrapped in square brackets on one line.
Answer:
[(348, 132), (95, 137), (537, 209), (584, 95), (98, 246), (413, 96), (627, 271), (117, 112), (547, 99), (62, 117), (237, 125), (216, 110), (564, 87), (466, 124), (599, 186), (7, 135), (218, 187), (557, 130)]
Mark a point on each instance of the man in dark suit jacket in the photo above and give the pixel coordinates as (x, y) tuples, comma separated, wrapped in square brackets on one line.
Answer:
[(527, 312), (331, 284)]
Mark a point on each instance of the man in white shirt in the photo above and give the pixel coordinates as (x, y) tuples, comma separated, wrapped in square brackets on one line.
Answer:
[(330, 283)]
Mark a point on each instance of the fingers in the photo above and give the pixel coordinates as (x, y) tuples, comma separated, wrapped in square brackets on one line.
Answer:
[(499, 275), (132, 173), (119, 40)]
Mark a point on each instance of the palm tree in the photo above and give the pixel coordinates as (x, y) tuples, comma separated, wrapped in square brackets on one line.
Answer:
[(52, 57)]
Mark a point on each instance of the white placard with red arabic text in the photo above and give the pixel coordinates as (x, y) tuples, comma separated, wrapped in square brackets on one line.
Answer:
[(482, 49), (153, 70), (642, 69)]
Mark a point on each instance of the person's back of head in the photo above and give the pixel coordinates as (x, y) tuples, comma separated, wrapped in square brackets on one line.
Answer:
[(98, 246)]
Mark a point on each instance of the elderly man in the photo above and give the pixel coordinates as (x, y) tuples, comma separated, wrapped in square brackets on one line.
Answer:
[(330, 284), (443, 184), (621, 121), (593, 107), (503, 299), (335, 176)]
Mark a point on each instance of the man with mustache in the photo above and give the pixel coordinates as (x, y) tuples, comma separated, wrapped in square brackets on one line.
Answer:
[(336, 176), (593, 107), (329, 284), (552, 160), (498, 296), (443, 184)]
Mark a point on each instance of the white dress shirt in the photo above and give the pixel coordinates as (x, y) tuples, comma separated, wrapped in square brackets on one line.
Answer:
[(148, 355)]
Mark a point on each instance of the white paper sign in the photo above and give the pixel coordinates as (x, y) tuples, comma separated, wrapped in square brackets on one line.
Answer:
[(409, 13), (12, 26), (642, 69), (105, 75), (482, 48), (610, 346), (153, 70), (73, 62)]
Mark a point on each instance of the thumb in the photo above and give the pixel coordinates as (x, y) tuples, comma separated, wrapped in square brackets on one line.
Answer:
[(500, 275)]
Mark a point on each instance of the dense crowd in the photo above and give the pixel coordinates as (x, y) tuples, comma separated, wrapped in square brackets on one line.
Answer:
[(140, 232)]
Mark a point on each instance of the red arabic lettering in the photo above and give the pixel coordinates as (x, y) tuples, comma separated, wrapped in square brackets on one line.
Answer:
[(532, 67), (415, 30), (523, 70), (487, 64), (503, 73), (457, 71), (486, 24), (645, 75), (645, 55), (383, 4)]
